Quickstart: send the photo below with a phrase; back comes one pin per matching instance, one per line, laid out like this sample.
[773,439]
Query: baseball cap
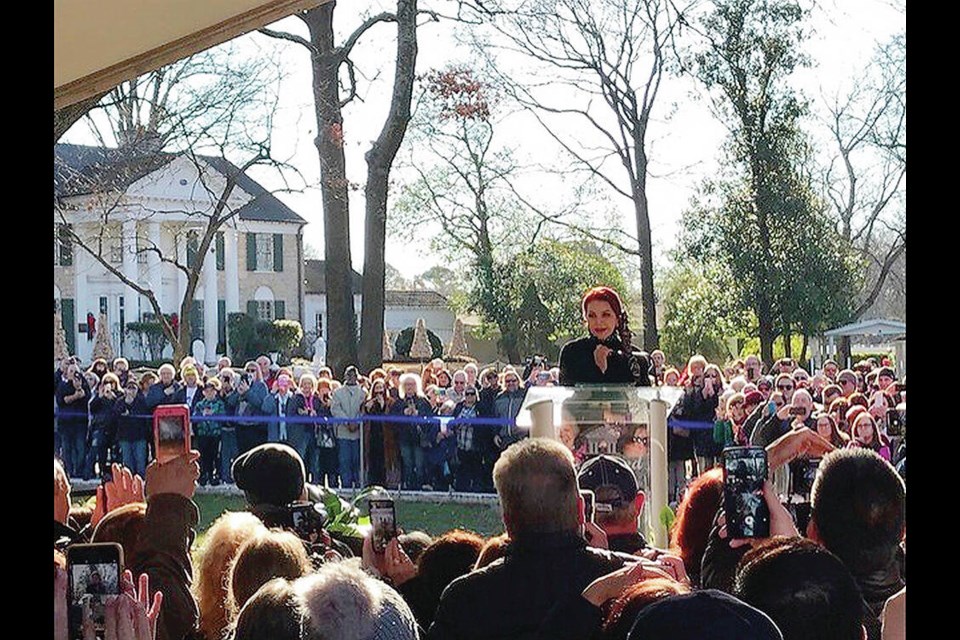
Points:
[609,477]
[703,614]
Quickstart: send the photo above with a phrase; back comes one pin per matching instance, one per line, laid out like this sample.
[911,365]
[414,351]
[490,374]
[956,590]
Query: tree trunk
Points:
[67,116]
[803,350]
[787,347]
[341,323]
[767,336]
[844,354]
[651,338]
[379,161]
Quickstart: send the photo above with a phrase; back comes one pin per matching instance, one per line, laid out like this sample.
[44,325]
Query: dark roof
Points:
[81,170]
[317,283]
[316,276]
[415,299]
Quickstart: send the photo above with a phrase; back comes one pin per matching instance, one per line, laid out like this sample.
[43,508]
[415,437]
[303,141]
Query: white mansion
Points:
[123,208]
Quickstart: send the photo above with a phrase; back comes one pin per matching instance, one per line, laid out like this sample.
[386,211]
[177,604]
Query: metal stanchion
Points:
[657,499]
[363,466]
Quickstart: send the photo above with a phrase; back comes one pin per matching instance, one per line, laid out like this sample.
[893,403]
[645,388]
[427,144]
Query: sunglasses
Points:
[470,393]
[784,387]
[644,440]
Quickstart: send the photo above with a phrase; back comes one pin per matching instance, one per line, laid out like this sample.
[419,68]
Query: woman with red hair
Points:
[691,529]
[606,355]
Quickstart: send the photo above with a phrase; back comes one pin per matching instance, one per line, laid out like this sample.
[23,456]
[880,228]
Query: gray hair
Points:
[407,377]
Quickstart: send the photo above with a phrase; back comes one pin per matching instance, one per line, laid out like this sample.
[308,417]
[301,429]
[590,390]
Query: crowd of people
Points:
[103,416]
[832,566]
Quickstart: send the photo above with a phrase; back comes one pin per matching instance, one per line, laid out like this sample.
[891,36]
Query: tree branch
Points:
[345,49]
[290,37]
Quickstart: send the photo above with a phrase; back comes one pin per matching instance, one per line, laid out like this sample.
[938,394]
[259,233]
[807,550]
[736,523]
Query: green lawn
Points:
[411,516]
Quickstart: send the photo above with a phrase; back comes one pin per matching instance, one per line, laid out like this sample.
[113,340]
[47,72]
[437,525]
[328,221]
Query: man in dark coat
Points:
[547,560]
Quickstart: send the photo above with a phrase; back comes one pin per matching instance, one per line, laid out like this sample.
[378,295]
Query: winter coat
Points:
[73,413]
[512,597]
[129,428]
[156,396]
[209,428]
[507,406]
[346,403]
[413,434]
[577,365]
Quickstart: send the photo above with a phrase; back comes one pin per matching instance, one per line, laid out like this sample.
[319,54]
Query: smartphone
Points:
[383,518]
[744,471]
[306,519]
[894,423]
[771,408]
[171,431]
[803,481]
[589,505]
[796,411]
[93,573]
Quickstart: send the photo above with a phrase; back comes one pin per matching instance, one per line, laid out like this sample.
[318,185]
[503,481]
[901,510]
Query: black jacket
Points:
[131,429]
[577,365]
[73,413]
[511,598]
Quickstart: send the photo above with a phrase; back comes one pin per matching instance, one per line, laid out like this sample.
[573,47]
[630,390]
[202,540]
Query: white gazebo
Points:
[880,332]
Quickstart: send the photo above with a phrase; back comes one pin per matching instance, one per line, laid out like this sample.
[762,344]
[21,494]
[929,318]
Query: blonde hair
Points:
[268,554]
[223,541]
[537,484]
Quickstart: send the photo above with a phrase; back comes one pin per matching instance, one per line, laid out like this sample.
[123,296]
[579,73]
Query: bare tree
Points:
[208,108]
[865,180]
[334,72]
[612,54]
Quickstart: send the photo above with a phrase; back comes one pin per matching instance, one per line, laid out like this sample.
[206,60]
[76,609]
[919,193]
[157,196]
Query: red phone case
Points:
[179,411]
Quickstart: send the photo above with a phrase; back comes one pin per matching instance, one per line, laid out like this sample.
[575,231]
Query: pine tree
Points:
[103,347]
[458,345]
[420,349]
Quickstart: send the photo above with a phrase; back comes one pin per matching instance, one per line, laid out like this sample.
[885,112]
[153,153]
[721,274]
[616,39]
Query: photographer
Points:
[412,437]
[73,396]
[253,393]
[228,430]
[133,432]
[166,391]
[273,478]
[102,425]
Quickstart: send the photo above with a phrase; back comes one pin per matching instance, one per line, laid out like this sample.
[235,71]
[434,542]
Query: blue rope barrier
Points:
[298,419]
[677,423]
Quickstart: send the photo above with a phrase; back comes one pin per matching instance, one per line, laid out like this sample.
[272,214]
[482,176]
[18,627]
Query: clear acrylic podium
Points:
[622,420]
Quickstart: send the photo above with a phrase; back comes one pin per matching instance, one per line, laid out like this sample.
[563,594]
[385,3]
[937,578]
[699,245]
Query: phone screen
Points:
[744,471]
[894,423]
[93,571]
[803,481]
[383,519]
[172,436]
[306,521]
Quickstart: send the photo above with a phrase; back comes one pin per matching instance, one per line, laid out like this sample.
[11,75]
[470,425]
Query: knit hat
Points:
[270,473]
[753,397]
[703,614]
[611,480]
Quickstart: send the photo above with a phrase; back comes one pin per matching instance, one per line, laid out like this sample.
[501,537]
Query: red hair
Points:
[695,519]
[605,294]
[624,610]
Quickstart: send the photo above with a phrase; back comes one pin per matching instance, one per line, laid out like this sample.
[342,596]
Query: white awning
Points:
[99,44]
[876,327]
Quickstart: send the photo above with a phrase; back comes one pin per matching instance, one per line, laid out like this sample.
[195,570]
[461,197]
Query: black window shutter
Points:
[193,247]
[278,252]
[279,310]
[66,247]
[196,321]
[251,252]
[252,309]
[69,320]
[220,249]
[222,324]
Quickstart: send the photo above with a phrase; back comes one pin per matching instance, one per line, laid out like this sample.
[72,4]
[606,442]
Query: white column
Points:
[230,271]
[80,303]
[659,471]
[131,299]
[154,266]
[210,304]
[181,276]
